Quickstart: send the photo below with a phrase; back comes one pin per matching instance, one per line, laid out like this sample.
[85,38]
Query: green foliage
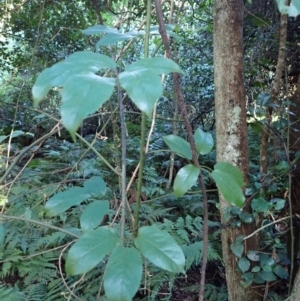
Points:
[229,180]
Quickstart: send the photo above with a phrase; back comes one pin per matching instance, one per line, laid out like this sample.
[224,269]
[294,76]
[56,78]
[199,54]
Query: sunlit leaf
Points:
[160,248]
[90,249]
[185,179]
[229,181]
[123,274]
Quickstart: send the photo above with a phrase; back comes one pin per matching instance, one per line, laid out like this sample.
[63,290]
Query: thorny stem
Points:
[188,127]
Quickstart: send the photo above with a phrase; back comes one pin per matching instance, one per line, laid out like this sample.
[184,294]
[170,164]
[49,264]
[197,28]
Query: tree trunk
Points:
[295,184]
[231,127]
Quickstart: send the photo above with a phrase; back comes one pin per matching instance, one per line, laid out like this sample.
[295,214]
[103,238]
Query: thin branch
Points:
[189,131]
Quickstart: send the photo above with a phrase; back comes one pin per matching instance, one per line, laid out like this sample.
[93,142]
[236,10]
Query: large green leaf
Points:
[179,146]
[144,88]
[62,201]
[229,181]
[185,179]
[90,249]
[158,65]
[123,274]
[82,95]
[160,248]
[142,82]
[115,37]
[77,63]
[97,29]
[93,215]
[204,142]
[95,185]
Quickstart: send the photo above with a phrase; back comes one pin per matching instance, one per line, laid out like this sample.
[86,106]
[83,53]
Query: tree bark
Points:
[231,127]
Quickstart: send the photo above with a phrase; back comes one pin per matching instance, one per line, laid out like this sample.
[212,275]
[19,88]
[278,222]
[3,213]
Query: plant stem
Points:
[188,127]
[123,163]
[143,133]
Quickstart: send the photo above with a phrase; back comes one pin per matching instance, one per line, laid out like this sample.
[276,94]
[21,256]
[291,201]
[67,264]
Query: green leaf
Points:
[185,179]
[77,63]
[93,215]
[97,29]
[248,279]
[263,99]
[266,275]
[253,255]
[142,82]
[267,263]
[158,65]
[282,166]
[115,37]
[281,272]
[62,201]
[143,87]
[278,203]
[246,218]
[237,247]
[244,264]
[2,235]
[179,146]
[82,95]
[90,249]
[256,269]
[293,10]
[160,248]
[204,142]
[229,181]
[123,274]
[95,185]
[169,29]
[260,205]
[2,138]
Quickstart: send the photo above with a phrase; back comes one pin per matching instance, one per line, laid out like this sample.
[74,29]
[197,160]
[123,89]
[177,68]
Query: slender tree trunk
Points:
[231,127]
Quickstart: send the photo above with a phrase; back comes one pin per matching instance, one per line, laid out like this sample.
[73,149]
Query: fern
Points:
[10,294]
[213,293]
